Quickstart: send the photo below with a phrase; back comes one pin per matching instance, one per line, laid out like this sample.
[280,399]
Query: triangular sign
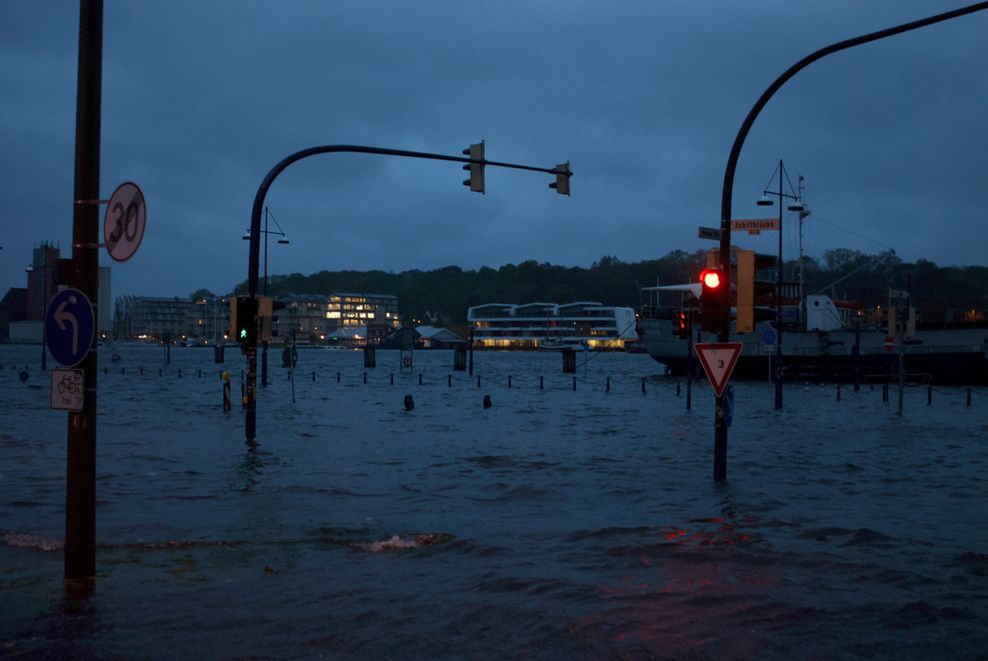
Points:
[718,360]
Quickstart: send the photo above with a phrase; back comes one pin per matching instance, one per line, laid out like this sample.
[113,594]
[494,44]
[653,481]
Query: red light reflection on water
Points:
[688,581]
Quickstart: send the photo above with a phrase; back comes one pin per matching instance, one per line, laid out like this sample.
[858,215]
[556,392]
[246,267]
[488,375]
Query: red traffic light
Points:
[710,278]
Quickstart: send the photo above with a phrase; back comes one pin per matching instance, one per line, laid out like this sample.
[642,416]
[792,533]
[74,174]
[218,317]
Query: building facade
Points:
[344,309]
[551,325]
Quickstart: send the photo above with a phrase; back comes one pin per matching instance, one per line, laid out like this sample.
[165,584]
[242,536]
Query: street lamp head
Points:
[246,237]
[796,205]
[284,241]
[765,201]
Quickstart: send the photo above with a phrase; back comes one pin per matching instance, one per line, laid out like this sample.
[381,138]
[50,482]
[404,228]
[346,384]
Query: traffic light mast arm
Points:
[732,160]
[262,191]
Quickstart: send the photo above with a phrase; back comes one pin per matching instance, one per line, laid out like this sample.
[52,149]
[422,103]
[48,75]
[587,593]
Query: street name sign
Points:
[718,360]
[69,327]
[754,225]
[66,390]
[123,225]
[709,233]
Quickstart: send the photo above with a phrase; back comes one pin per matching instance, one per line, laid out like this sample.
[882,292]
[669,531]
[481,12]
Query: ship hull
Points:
[939,357]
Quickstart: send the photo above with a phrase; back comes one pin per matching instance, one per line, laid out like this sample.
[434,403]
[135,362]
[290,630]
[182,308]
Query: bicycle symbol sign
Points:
[66,390]
[123,225]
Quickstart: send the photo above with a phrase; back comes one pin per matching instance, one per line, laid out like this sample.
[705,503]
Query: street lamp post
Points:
[284,241]
[44,308]
[795,205]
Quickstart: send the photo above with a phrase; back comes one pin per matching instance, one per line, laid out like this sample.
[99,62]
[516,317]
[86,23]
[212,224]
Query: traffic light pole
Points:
[720,425]
[561,185]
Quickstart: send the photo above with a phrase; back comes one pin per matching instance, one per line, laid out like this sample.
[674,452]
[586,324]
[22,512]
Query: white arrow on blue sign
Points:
[69,327]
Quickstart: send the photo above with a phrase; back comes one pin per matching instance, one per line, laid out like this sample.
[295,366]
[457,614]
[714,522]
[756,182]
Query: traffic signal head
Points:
[561,184]
[476,170]
[711,280]
[752,304]
[245,328]
[712,300]
[681,324]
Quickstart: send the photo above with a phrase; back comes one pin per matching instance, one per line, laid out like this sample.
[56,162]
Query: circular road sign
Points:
[123,225]
[69,327]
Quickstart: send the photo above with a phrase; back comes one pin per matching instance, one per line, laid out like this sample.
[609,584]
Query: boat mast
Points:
[802,214]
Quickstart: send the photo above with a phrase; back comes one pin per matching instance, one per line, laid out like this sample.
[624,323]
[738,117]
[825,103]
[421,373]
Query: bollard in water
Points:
[509,380]
[643,385]
[337,377]
[541,383]
[409,403]
[123,370]
[838,392]
[180,372]
[569,361]
[420,378]
[929,395]
[392,378]
[449,380]
[159,371]
[140,370]
[226,391]
[885,392]
[678,387]
[104,371]
[487,401]
[365,378]
[574,383]
[969,397]
[313,376]
[478,380]
[198,374]
[608,386]
[460,357]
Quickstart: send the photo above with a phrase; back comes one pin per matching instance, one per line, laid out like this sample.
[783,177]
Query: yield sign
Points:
[718,360]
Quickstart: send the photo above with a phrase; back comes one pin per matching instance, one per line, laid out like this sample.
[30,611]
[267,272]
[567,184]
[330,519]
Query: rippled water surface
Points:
[557,523]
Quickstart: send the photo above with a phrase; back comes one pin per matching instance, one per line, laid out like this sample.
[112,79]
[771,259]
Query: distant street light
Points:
[795,205]
[284,241]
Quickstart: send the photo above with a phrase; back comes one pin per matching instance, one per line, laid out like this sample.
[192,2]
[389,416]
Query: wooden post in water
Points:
[569,361]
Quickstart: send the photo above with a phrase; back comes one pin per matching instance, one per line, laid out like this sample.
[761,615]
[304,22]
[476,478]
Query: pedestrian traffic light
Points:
[712,294]
[476,170]
[754,294]
[244,319]
[561,184]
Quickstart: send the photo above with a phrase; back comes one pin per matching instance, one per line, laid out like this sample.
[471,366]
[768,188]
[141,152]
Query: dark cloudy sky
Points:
[201,98]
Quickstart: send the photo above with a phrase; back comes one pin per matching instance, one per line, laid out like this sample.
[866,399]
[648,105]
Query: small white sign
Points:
[66,390]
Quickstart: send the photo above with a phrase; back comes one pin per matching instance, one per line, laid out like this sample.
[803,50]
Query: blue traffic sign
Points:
[69,327]
[768,337]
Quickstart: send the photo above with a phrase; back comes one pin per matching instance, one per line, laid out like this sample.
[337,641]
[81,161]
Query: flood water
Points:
[556,524]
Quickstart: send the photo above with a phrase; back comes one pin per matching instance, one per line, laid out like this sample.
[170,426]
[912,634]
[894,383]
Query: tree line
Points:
[941,294]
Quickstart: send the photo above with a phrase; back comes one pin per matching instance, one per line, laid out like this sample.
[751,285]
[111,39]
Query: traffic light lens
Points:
[711,279]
